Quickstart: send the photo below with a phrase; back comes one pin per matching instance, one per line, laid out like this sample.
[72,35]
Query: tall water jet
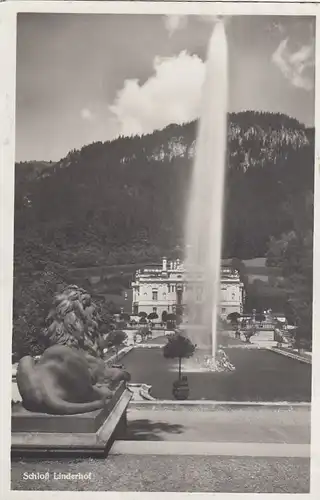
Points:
[204,227]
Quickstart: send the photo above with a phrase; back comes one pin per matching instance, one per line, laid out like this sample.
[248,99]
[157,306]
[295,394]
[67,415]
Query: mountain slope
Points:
[125,200]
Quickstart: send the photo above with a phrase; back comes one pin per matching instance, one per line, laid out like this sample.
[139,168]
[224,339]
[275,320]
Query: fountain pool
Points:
[260,375]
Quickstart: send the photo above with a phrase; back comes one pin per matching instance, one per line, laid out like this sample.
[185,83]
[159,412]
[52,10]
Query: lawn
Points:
[260,375]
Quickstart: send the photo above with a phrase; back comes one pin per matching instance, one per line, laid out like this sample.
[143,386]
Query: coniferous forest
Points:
[124,201]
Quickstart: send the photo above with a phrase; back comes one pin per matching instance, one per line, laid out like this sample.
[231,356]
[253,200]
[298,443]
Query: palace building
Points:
[159,289]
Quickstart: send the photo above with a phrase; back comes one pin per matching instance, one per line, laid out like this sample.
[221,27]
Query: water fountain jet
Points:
[204,227]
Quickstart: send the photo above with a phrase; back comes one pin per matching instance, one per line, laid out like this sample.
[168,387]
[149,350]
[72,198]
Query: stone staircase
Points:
[264,338]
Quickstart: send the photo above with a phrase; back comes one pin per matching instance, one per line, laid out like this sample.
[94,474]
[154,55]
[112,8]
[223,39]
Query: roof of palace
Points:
[177,271]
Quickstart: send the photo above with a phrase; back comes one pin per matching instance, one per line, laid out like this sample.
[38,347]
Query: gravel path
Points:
[171,474]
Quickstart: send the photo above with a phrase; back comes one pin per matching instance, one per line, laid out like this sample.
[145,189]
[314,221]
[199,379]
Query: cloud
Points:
[174,23]
[86,114]
[295,66]
[171,95]
[276,27]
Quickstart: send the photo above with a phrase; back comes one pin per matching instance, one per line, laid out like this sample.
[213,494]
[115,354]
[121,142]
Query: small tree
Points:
[178,346]
[144,332]
[153,315]
[164,316]
[143,321]
[260,318]
[233,317]
[142,314]
[125,317]
[116,338]
[250,332]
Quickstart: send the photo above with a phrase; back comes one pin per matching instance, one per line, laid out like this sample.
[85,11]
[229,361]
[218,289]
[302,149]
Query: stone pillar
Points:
[164,264]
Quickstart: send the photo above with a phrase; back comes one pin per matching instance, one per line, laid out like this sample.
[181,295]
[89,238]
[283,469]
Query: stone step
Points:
[261,335]
[257,339]
[206,448]
[264,344]
[264,335]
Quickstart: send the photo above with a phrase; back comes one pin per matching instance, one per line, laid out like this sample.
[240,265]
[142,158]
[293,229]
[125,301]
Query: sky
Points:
[82,78]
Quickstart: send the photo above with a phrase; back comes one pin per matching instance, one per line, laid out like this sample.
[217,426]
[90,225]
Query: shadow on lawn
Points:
[145,429]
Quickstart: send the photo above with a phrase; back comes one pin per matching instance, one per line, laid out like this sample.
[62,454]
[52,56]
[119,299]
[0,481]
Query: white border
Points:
[8,12]
[187,7]
[182,1]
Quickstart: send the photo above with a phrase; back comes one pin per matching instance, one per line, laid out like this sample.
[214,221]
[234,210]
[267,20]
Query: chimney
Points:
[164,264]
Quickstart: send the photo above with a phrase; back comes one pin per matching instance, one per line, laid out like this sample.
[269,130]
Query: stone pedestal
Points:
[86,432]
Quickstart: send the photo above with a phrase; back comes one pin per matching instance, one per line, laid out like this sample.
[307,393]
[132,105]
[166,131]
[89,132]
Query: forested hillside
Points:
[124,200]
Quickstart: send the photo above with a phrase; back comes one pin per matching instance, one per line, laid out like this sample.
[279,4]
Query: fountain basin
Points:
[260,375]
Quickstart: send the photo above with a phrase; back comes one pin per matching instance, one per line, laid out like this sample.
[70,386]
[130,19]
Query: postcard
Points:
[159,260]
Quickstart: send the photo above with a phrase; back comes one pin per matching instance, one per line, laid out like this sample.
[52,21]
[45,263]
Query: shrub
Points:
[233,317]
[153,315]
[164,316]
[178,346]
[115,339]
[31,305]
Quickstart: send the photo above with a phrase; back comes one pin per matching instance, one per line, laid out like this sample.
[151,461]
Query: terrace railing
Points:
[265,326]
[156,326]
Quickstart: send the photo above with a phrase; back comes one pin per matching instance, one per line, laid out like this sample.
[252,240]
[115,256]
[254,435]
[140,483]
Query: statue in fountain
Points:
[70,377]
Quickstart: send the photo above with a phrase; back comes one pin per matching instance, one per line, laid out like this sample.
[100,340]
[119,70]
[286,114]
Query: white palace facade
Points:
[159,289]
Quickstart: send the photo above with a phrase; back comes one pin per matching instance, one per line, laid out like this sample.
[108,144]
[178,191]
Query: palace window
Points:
[154,295]
[154,309]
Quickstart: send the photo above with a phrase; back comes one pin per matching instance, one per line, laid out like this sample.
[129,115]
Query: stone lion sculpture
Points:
[70,377]
[74,321]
